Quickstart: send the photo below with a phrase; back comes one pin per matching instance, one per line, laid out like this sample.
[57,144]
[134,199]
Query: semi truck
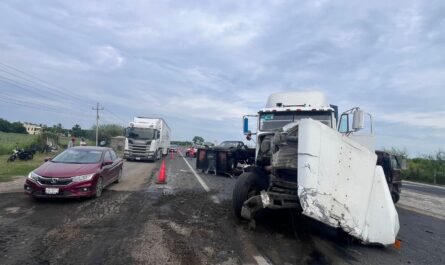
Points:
[309,160]
[146,139]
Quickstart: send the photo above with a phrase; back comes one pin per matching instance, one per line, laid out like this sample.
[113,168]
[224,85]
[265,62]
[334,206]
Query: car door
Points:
[116,164]
[108,170]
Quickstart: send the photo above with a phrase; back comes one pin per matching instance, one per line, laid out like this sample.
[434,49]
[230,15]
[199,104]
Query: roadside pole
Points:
[97,122]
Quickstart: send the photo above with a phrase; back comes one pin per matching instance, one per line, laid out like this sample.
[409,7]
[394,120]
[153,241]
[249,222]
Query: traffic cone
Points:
[162,176]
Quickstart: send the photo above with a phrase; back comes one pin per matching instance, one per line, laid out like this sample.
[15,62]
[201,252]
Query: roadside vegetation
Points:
[19,168]
[428,169]
[8,141]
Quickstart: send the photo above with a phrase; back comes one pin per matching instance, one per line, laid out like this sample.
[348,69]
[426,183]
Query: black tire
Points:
[11,158]
[30,156]
[99,188]
[395,196]
[247,185]
[119,178]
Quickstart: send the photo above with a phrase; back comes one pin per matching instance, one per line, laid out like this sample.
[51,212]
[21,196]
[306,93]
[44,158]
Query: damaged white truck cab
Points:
[303,162]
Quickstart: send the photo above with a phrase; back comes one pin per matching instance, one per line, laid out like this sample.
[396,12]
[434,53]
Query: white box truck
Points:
[146,139]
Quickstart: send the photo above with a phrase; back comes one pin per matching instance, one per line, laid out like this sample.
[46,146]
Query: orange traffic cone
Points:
[162,176]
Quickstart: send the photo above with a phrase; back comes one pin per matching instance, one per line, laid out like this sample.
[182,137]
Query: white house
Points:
[32,128]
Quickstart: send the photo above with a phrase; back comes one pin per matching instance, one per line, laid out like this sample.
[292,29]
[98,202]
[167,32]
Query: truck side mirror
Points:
[358,120]
[246,128]
[246,125]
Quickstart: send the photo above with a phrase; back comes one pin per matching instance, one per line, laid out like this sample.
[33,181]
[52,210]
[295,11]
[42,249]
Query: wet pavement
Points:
[188,221]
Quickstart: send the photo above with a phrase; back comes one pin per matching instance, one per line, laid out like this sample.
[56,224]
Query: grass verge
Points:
[19,168]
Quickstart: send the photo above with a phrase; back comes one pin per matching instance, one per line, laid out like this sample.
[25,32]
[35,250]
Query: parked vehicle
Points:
[174,148]
[82,171]
[307,162]
[146,139]
[225,158]
[392,166]
[191,151]
[21,154]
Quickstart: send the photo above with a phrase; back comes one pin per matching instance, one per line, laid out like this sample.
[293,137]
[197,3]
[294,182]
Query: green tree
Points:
[17,127]
[5,126]
[198,140]
[76,131]
[106,130]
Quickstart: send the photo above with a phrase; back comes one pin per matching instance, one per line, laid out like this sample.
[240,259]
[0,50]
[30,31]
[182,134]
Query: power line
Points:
[44,83]
[116,116]
[46,110]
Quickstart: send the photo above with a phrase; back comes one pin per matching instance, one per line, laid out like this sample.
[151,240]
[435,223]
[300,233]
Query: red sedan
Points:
[76,172]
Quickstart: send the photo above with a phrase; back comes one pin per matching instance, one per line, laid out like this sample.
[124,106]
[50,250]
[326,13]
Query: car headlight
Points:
[83,177]
[33,176]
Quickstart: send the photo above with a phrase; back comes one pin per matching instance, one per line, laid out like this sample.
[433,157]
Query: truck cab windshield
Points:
[141,133]
[276,120]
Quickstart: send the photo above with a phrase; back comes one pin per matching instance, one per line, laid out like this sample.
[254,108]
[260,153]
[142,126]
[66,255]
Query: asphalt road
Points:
[424,188]
[188,221]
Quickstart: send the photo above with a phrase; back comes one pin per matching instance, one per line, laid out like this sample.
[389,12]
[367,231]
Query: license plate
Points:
[51,190]
[138,158]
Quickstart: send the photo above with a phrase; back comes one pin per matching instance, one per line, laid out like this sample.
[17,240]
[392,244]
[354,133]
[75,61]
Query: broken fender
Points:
[340,185]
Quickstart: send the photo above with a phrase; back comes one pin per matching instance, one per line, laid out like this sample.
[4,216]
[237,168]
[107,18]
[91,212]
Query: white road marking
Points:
[261,260]
[200,180]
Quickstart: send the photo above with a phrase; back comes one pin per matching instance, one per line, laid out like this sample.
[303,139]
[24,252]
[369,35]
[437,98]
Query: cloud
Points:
[107,57]
[207,63]
[434,119]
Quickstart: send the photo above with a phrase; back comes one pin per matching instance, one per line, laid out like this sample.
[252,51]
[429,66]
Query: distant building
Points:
[32,128]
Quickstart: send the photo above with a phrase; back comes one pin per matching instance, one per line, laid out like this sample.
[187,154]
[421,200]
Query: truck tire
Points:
[247,185]
[395,196]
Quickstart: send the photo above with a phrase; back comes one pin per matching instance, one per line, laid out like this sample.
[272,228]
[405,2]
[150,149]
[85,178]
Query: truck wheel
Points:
[248,185]
[395,196]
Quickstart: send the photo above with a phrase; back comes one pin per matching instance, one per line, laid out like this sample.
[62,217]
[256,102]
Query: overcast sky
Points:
[203,64]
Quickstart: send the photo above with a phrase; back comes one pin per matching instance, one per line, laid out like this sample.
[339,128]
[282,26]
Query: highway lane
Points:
[424,188]
[421,237]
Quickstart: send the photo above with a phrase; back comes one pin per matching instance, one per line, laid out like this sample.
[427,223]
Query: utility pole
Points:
[97,122]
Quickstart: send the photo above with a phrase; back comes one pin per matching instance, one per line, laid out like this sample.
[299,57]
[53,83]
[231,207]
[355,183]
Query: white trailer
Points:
[146,139]
[304,162]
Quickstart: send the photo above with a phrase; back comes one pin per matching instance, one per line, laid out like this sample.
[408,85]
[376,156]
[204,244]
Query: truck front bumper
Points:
[139,156]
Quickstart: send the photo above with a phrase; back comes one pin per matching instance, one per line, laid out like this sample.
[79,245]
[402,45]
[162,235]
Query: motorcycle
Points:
[21,154]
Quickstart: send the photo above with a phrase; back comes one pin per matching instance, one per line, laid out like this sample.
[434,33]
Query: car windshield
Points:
[229,144]
[275,121]
[78,156]
[140,133]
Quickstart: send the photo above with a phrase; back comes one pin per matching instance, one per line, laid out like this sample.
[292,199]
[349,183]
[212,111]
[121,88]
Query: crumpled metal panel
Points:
[340,185]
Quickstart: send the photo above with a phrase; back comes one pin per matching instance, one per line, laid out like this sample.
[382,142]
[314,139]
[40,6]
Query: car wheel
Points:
[99,188]
[249,184]
[119,177]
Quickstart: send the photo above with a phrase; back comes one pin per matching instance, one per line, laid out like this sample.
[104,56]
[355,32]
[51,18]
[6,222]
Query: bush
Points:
[429,169]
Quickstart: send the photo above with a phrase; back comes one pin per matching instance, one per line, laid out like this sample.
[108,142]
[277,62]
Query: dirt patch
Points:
[15,185]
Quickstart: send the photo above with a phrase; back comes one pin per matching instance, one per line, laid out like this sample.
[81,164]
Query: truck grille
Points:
[139,150]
